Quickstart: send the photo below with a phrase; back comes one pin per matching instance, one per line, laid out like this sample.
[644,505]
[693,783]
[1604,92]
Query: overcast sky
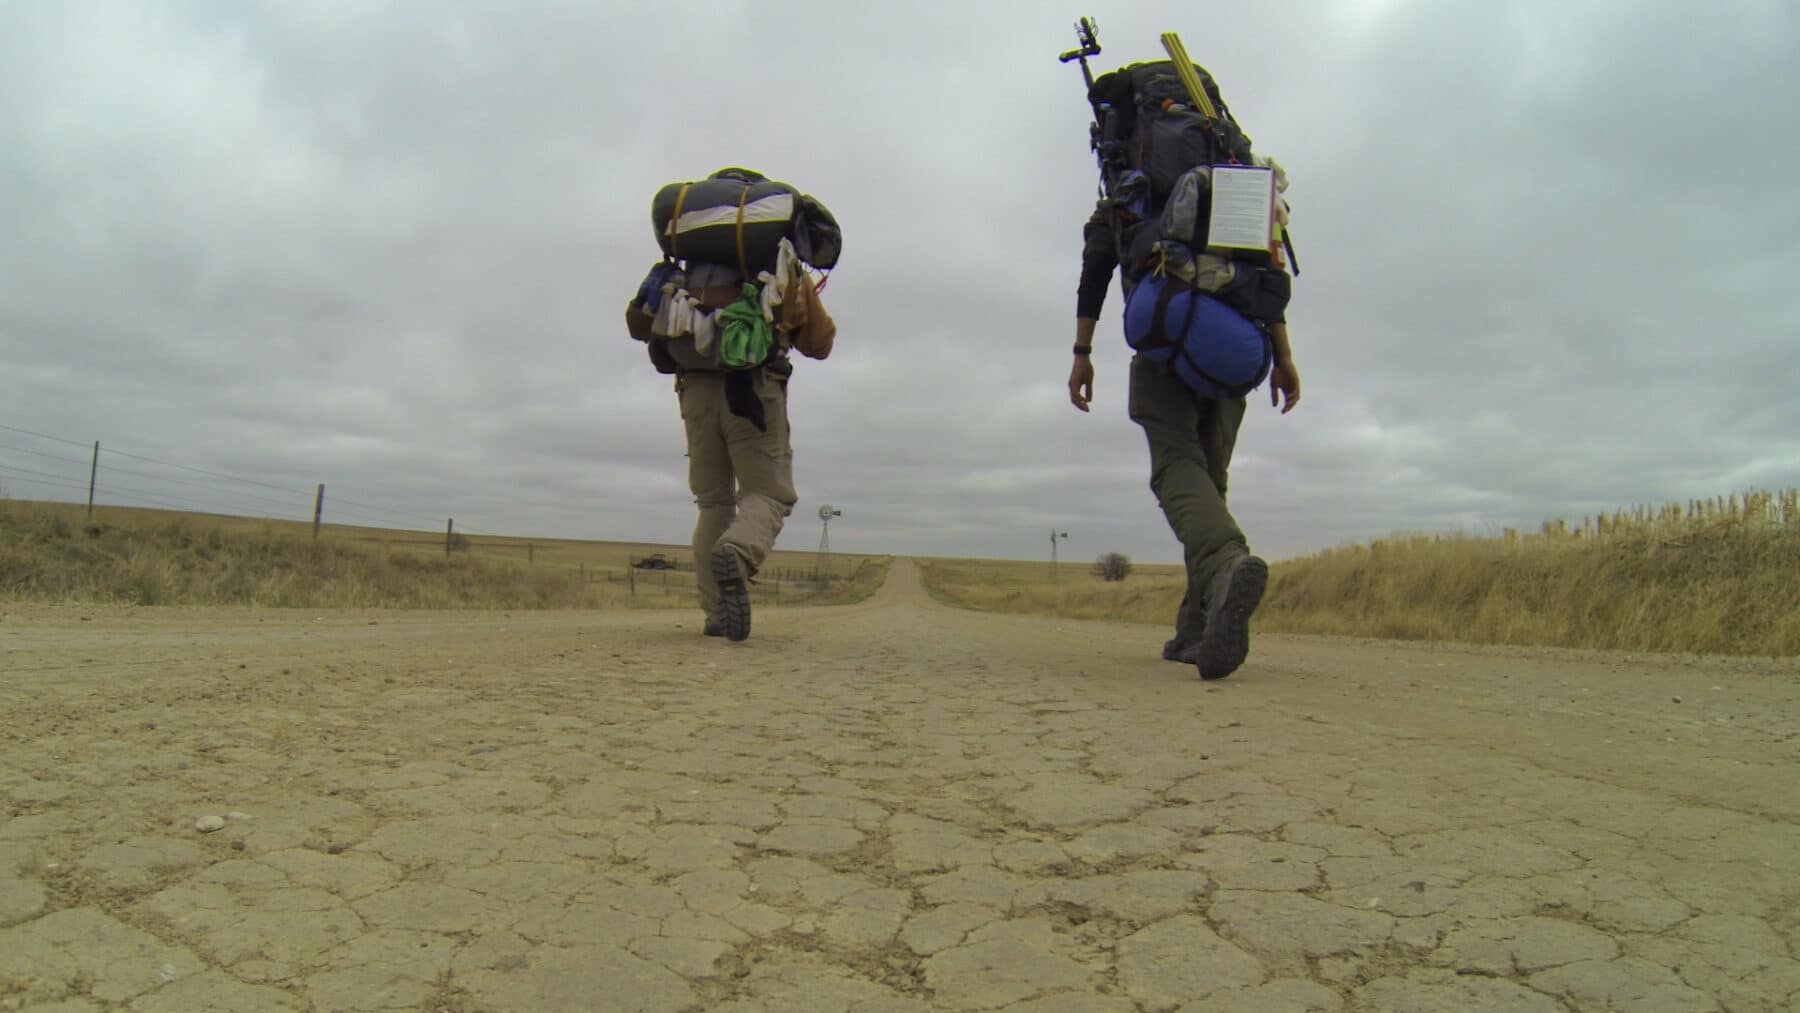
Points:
[1547,251]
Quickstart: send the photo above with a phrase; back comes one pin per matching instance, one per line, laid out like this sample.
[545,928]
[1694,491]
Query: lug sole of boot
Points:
[1227,640]
[733,612]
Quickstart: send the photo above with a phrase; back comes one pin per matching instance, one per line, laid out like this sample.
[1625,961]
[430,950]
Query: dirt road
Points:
[892,806]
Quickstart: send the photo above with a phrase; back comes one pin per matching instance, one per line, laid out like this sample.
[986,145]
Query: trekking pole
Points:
[1087,33]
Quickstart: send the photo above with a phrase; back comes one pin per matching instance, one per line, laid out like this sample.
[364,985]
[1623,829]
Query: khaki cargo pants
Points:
[742,477]
[1191,439]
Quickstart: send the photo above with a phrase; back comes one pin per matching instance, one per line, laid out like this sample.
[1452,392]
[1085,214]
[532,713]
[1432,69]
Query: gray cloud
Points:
[1545,254]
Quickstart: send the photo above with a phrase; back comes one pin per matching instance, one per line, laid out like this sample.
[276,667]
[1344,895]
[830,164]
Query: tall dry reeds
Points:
[1711,576]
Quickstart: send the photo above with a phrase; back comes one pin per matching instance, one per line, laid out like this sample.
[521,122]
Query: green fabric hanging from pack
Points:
[744,336]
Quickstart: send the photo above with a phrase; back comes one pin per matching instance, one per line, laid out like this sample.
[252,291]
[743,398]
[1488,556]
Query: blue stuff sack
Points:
[1215,350]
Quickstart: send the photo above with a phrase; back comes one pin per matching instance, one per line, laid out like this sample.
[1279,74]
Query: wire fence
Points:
[40,465]
[43,466]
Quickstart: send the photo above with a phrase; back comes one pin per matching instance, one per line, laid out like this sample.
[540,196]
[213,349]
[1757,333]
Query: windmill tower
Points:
[826,513]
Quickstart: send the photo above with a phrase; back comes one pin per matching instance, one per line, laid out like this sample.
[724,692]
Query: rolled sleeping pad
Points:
[734,221]
[1215,350]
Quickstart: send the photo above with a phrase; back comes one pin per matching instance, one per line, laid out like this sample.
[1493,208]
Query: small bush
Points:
[1113,566]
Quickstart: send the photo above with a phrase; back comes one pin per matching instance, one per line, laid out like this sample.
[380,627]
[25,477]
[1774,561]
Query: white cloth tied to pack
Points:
[681,314]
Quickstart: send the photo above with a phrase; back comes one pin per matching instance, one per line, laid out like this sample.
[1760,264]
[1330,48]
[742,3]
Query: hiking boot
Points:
[733,612]
[1182,649]
[1235,593]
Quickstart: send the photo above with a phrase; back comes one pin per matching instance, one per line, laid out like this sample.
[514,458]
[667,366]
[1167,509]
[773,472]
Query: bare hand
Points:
[1284,382]
[1081,382]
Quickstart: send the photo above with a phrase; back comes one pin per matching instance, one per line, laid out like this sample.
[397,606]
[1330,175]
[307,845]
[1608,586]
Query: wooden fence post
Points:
[93,476]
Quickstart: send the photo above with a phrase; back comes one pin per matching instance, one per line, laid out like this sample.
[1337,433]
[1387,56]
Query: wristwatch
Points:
[1083,349]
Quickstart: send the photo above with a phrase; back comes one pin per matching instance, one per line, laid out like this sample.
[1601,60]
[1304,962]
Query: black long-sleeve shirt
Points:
[1099,259]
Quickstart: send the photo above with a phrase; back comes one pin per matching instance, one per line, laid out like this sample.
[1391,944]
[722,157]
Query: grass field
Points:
[54,552]
[1712,577]
[1150,594]
[1715,576]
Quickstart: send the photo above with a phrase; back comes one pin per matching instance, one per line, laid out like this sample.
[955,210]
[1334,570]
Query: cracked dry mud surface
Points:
[887,807]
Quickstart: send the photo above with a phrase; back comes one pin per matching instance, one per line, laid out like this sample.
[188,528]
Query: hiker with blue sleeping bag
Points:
[1195,225]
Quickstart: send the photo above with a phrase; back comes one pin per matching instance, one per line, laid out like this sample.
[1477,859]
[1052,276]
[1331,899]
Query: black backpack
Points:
[1153,127]
[1151,138]
[1204,311]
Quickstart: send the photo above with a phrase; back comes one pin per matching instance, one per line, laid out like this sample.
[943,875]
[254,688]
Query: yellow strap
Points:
[675,222]
[743,261]
[1184,68]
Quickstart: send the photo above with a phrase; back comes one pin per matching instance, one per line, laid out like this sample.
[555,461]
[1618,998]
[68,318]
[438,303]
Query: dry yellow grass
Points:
[53,552]
[1150,594]
[1714,576]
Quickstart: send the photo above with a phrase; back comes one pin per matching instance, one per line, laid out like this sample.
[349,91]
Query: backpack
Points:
[717,236]
[1201,309]
[720,327]
[1157,131]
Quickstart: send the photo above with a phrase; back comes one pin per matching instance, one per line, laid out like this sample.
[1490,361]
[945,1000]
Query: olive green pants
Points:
[1191,439]
[742,477]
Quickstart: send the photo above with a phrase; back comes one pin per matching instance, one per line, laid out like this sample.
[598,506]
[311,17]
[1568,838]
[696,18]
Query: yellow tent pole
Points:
[1184,68]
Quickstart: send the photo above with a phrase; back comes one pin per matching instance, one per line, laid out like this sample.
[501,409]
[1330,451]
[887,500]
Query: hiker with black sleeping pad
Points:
[731,298]
[1195,225]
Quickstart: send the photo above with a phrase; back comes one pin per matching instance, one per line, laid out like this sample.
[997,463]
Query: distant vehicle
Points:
[654,561]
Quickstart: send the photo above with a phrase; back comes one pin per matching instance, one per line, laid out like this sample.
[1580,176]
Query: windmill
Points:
[1054,535]
[826,513]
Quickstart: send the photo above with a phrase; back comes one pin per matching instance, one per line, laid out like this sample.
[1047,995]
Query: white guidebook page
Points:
[1243,208]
